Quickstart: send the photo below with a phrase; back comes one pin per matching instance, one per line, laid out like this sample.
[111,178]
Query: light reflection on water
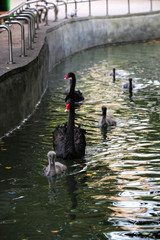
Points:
[114,192]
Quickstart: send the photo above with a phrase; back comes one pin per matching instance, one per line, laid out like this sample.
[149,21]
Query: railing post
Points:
[22,35]
[31,17]
[29,29]
[65,7]
[10,47]
[75,8]
[106,7]
[151,7]
[9,43]
[89,7]
[129,7]
[46,13]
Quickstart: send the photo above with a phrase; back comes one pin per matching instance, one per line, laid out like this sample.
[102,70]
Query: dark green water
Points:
[114,193]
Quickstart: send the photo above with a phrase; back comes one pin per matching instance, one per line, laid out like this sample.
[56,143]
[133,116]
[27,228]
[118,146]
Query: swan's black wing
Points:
[80,141]
[78,97]
[59,135]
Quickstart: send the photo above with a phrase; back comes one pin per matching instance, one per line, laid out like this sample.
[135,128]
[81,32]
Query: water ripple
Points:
[113,193]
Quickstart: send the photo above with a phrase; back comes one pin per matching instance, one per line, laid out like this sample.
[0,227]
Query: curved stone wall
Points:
[20,91]
[73,36]
[22,88]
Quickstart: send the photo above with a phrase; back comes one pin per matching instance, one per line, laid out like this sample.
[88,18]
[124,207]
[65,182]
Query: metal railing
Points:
[128,4]
[24,13]
[32,12]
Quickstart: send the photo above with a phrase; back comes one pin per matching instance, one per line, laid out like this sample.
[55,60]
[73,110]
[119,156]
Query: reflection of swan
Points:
[106,120]
[52,189]
[54,168]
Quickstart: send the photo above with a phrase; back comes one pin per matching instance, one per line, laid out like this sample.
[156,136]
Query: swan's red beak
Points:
[67,107]
[67,76]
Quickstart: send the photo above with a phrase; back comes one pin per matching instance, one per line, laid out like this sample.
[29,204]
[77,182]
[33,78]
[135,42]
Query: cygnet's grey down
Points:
[106,120]
[54,168]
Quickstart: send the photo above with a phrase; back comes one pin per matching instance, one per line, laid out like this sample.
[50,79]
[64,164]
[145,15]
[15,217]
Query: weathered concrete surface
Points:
[73,36]
[21,89]
[22,84]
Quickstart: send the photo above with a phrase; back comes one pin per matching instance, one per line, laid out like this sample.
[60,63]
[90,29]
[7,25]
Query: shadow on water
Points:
[113,193]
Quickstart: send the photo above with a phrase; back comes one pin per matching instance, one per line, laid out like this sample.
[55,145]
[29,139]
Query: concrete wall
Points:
[22,88]
[73,36]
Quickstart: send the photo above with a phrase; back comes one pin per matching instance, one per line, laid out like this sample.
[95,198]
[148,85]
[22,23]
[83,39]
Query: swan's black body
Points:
[69,141]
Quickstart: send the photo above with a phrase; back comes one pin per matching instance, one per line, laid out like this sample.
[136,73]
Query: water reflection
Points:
[114,192]
[52,189]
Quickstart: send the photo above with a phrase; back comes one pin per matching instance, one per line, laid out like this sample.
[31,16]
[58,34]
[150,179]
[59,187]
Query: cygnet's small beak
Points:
[67,107]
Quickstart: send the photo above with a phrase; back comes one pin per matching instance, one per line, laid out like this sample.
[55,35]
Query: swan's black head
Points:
[70,75]
[69,102]
[72,78]
[104,110]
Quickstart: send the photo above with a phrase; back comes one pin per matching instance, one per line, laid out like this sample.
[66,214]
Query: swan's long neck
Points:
[52,163]
[70,147]
[130,87]
[104,112]
[70,130]
[72,84]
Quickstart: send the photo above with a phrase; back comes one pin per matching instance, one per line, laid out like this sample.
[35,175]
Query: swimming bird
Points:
[129,85]
[78,97]
[106,121]
[54,168]
[68,140]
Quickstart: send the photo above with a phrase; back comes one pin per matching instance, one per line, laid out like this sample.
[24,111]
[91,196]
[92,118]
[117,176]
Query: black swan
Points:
[106,121]
[54,168]
[69,141]
[78,97]
[129,85]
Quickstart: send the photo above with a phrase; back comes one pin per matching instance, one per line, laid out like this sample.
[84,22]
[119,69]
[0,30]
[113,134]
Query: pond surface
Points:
[114,193]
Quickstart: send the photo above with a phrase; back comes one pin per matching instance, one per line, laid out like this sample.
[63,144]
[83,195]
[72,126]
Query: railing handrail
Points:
[63,2]
[20,6]
[43,6]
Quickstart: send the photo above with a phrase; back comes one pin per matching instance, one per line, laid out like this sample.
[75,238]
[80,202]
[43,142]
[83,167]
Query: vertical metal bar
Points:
[29,29]
[22,42]
[9,43]
[89,7]
[65,7]
[22,35]
[75,8]
[129,7]
[106,7]
[32,18]
[10,46]
[55,12]
[151,6]
[37,16]
[66,10]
